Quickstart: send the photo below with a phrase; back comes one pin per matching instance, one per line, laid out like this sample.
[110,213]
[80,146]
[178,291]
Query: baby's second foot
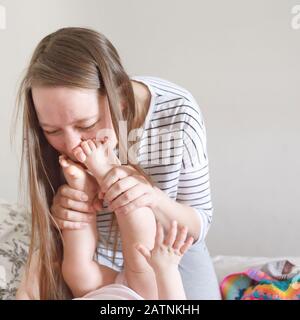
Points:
[77,178]
[98,157]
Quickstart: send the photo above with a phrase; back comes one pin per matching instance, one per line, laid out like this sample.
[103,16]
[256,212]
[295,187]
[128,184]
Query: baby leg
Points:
[136,227]
[80,271]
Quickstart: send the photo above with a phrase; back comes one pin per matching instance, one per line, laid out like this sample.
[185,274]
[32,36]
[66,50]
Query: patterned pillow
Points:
[14,244]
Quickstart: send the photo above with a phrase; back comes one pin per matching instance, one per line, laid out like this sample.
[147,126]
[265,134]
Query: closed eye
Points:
[89,127]
[51,132]
[80,128]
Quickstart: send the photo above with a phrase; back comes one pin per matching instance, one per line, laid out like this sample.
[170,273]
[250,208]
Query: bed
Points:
[14,241]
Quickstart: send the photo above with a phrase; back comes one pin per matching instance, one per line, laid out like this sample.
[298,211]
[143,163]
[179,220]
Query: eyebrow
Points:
[76,121]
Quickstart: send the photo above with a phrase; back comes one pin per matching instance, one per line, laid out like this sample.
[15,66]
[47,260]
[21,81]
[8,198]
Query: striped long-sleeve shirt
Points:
[172,151]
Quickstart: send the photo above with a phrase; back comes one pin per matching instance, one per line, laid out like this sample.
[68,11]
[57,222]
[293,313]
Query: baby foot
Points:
[78,178]
[98,157]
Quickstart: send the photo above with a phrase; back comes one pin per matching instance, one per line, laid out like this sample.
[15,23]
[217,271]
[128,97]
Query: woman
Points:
[154,125]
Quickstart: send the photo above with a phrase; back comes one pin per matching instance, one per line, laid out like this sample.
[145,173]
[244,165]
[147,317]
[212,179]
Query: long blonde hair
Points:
[77,58]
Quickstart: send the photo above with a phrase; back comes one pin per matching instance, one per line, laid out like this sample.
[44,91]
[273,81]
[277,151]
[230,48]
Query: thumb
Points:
[143,250]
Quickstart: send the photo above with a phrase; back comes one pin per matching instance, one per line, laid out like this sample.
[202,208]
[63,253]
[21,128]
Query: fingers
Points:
[71,215]
[69,210]
[70,193]
[68,203]
[176,238]
[119,187]
[128,196]
[180,238]
[115,174]
[186,245]
[171,236]
[63,224]
[143,201]
[159,236]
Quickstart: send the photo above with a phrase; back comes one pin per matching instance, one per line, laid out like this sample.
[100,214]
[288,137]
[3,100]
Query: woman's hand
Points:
[72,209]
[125,189]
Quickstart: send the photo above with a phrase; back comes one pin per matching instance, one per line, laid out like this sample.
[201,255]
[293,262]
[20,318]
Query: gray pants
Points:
[198,274]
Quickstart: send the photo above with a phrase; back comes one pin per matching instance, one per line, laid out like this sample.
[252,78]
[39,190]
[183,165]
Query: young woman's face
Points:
[68,116]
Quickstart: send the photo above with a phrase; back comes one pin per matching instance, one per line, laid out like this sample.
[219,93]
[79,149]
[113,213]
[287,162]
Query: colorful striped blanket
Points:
[278,280]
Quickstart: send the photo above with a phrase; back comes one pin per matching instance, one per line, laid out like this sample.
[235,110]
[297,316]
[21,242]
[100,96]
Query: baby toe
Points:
[86,148]
[92,145]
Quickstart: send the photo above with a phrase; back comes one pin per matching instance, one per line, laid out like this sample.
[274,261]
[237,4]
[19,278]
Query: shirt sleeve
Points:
[194,186]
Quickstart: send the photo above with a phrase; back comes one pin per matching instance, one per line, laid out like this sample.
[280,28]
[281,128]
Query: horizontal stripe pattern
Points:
[172,151]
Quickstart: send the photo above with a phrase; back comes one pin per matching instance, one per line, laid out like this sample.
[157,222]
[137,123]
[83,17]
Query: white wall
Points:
[239,58]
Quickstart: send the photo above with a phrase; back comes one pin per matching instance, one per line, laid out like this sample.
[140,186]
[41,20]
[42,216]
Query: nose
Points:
[72,140]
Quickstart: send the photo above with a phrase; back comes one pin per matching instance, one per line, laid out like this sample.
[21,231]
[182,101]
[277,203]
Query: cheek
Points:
[57,143]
